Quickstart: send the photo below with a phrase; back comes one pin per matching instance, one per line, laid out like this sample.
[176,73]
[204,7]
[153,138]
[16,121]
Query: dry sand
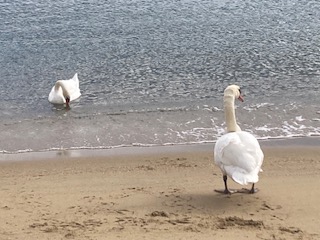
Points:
[162,194]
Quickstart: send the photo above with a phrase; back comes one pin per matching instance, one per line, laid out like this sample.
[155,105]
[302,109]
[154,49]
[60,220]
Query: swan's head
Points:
[235,91]
[67,100]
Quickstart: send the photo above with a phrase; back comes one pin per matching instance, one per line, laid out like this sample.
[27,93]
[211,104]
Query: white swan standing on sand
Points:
[237,153]
[65,91]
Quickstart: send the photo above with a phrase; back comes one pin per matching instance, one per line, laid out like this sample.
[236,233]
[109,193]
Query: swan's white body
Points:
[65,89]
[239,156]
[237,153]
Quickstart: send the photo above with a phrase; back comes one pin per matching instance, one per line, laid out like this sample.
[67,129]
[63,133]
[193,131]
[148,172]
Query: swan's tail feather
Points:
[76,79]
[245,179]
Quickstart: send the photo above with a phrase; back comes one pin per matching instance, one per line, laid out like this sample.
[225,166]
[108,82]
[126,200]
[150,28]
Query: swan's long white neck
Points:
[230,115]
[64,90]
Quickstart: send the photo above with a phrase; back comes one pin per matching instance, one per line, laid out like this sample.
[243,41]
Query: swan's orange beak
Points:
[241,98]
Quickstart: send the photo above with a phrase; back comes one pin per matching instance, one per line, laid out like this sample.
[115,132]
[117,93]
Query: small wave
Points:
[300,118]
[65,151]
[257,106]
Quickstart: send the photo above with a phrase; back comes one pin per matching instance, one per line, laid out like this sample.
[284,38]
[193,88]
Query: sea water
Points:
[153,72]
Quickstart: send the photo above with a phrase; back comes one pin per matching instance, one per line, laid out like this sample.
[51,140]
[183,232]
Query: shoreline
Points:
[310,141]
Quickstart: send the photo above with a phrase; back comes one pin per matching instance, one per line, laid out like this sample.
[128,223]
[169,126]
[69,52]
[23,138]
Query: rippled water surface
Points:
[153,72]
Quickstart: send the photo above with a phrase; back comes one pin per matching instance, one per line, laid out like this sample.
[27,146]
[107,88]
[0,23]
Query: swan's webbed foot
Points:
[249,191]
[226,191]
[231,191]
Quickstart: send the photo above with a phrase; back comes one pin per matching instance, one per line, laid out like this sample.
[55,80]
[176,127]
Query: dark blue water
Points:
[153,72]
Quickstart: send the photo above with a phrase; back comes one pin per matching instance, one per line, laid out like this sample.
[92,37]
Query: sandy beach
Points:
[167,193]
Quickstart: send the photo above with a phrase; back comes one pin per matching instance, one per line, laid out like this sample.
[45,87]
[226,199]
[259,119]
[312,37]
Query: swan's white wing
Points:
[238,154]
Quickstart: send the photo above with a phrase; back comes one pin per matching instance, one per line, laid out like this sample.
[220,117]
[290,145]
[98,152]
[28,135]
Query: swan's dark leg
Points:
[226,190]
[252,189]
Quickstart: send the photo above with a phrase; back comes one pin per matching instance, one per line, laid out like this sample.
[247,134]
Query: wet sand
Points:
[167,193]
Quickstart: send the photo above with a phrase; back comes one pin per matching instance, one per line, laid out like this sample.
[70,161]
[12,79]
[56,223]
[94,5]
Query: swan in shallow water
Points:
[65,91]
[237,153]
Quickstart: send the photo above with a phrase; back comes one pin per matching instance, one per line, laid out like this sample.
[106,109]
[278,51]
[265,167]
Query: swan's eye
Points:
[239,91]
